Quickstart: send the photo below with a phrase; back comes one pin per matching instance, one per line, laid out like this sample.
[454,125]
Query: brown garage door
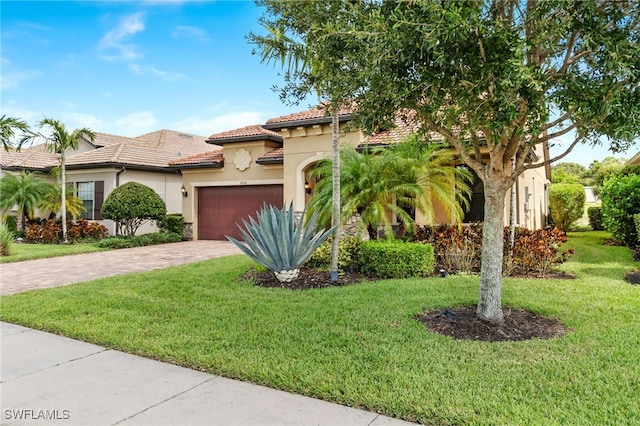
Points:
[221,207]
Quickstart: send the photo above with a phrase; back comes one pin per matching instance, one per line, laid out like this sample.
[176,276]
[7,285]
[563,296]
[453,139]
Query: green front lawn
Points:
[358,345]
[23,251]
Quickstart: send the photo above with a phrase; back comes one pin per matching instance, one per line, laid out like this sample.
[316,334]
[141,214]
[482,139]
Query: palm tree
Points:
[25,191]
[8,128]
[409,175]
[293,56]
[60,141]
[52,201]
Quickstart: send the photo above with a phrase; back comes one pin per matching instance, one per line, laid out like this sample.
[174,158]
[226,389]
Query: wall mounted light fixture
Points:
[307,187]
[184,191]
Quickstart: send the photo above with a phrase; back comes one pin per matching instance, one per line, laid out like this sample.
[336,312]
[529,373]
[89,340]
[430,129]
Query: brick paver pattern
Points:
[18,277]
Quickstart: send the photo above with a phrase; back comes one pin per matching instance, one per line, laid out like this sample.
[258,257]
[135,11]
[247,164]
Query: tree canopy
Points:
[493,78]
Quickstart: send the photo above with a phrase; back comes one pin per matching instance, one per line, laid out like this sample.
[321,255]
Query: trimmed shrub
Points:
[172,223]
[348,254]
[620,202]
[566,204]
[139,240]
[131,205]
[595,218]
[390,259]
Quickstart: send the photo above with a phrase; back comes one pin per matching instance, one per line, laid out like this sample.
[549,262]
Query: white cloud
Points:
[165,75]
[188,32]
[12,77]
[116,38]
[136,123]
[206,126]
[11,109]
[76,120]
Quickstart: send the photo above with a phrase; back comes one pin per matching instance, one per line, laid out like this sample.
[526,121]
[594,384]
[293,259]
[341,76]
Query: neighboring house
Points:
[97,167]
[634,161]
[271,164]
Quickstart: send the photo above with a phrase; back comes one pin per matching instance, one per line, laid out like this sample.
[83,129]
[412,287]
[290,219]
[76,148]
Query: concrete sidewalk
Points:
[49,379]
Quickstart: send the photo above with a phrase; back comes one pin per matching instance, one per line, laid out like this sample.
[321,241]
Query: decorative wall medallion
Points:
[242,159]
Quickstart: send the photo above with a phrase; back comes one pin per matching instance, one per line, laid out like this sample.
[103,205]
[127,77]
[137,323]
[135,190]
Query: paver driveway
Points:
[56,271]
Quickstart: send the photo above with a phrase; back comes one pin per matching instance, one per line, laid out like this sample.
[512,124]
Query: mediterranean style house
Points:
[272,163]
[97,168]
[217,181]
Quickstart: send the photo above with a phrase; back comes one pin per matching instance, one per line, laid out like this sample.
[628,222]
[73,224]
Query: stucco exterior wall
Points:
[240,168]
[165,184]
[303,147]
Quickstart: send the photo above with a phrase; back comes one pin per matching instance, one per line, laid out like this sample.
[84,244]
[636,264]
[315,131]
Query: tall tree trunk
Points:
[64,196]
[335,212]
[490,296]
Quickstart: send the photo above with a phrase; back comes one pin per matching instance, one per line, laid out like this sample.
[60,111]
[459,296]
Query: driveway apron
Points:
[58,271]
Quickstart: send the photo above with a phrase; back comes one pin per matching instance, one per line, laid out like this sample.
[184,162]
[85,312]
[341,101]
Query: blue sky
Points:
[132,67]
[128,68]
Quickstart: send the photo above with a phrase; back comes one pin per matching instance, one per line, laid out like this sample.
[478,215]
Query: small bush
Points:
[50,231]
[84,230]
[385,259]
[534,251]
[348,254]
[171,223]
[566,204]
[456,248]
[636,220]
[595,218]
[620,202]
[459,249]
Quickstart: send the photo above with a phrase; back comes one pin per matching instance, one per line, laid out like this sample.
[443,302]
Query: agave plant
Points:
[277,241]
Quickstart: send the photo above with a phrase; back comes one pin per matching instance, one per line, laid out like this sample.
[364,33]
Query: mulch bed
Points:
[519,324]
[308,278]
[458,323]
[633,277]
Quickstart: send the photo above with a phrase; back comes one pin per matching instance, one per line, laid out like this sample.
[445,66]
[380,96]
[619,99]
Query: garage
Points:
[220,208]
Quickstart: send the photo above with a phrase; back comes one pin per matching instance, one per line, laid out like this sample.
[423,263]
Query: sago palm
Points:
[59,141]
[25,191]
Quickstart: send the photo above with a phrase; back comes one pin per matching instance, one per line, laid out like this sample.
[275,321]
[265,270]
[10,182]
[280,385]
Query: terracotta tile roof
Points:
[172,141]
[244,132]
[403,128]
[312,114]
[271,157]
[156,149]
[31,158]
[105,139]
[213,156]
